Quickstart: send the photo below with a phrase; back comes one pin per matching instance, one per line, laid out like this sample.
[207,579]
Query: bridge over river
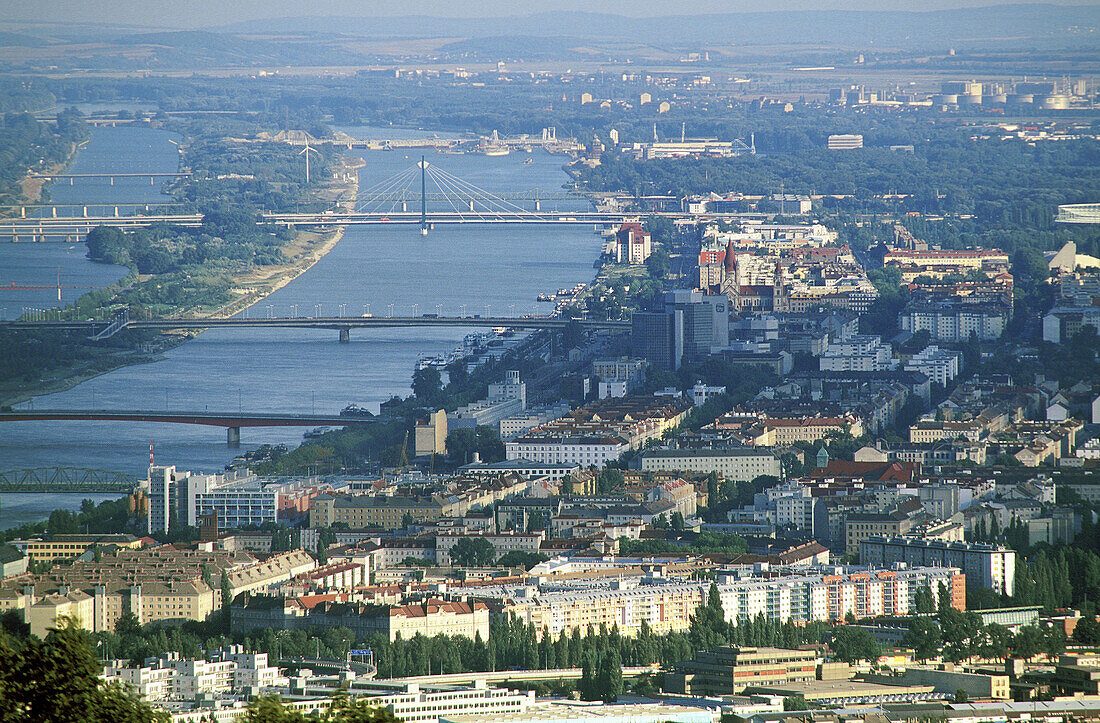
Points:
[343,324]
[232,421]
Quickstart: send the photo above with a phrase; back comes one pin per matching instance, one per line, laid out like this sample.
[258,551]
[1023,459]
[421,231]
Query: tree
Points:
[227,598]
[427,385]
[610,676]
[588,687]
[923,600]
[472,552]
[1027,642]
[795,702]
[708,626]
[489,444]
[960,696]
[127,625]
[519,558]
[994,641]
[462,443]
[1087,631]
[57,680]
[609,480]
[852,644]
[923,637]
[677,521]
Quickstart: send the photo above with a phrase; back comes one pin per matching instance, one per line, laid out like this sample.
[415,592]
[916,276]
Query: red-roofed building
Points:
[633,243]
[868,471]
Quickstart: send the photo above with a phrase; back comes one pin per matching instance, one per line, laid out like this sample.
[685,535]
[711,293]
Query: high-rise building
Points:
[658,337]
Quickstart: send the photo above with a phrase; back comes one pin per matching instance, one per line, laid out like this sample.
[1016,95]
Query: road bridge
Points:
[65,479]
[231,421]
[111,176]
[343,324]
[35,229]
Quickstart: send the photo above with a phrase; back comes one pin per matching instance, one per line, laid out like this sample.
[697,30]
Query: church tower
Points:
[731,283]
[781,302]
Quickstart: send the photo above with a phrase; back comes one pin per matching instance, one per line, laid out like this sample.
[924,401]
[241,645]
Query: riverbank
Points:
[81,360]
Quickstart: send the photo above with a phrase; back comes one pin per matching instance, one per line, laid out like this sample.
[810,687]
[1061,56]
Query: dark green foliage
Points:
[924,601]
[923,637]
[517,558]
[462,443]
[27,143]
[56,680]
[106,517]
[704,542]
[1087,631]
[472,552]
[851,644]
[427,386]
[270,709]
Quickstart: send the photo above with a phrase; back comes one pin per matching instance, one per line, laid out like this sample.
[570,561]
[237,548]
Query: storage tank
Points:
[945,99]
[970,100]
[1056,101]
[996,99]
[1021,98]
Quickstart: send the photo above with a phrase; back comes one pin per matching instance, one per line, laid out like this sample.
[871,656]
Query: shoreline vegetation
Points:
[234,285]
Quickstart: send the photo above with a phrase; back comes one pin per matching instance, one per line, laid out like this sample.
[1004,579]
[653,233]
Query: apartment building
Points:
[567,449]
[429,618]
[859,353]
[71,545]
[779,431]
[384,511]
[503,543]
[827,595]
[955,322]
[859,526]
[171,677]
[742,464]
[240,499]
[157,586]
[939,365]
[988,566]
[944,262]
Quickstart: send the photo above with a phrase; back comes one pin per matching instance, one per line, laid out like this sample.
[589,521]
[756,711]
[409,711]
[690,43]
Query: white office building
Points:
[939,365]
[989,566]
[240,499]
[859,353]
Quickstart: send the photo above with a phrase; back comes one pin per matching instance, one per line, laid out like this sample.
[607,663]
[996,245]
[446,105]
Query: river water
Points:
[473,269]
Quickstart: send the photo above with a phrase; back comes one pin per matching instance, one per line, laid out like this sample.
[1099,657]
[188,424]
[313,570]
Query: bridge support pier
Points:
[233,437]
[345,335]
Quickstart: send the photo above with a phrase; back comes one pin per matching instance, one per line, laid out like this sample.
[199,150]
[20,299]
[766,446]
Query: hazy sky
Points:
[199,13]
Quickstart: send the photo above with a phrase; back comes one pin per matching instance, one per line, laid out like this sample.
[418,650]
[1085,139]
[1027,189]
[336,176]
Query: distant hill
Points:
[1078,25]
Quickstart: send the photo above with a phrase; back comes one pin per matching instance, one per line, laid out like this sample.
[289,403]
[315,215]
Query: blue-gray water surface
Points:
[475,269]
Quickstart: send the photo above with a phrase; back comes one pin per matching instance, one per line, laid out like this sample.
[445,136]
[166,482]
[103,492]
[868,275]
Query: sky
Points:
[211,13]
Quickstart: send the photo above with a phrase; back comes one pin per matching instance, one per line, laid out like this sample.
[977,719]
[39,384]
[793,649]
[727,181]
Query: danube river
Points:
[476,269]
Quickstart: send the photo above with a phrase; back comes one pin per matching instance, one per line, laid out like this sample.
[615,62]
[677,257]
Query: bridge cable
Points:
[457,192]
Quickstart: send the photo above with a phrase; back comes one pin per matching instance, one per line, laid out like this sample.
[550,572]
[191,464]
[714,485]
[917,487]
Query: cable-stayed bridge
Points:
[422,194]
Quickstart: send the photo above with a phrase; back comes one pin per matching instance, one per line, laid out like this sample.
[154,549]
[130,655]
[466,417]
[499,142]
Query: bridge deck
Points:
[331,322]
[212,419]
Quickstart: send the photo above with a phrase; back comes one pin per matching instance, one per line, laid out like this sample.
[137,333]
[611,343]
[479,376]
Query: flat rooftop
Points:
[843,689]
[577,712]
